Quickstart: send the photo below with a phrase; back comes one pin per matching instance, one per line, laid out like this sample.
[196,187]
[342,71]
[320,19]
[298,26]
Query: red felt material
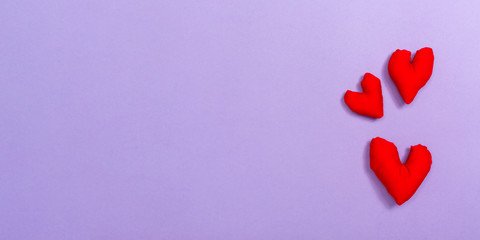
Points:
[370,101]
[400,180]
[409,76]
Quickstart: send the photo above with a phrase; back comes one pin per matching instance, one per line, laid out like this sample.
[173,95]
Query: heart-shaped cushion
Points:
[409,76]
[370,101]
[400,180]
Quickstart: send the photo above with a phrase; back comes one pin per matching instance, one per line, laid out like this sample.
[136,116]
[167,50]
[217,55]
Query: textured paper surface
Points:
[225,119]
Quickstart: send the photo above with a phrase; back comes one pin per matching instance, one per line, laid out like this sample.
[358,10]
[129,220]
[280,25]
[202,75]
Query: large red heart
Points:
[401,180]
[409,76]
[370,102]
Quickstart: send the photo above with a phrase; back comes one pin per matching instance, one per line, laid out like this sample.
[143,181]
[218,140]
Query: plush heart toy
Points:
[370,102]
[409,76]
[401,180]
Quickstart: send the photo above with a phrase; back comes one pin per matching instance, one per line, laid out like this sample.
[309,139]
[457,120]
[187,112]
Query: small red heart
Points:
[370,102]
[409,76]
[400,180]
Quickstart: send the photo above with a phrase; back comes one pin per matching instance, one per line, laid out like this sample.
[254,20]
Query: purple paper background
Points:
[225,119]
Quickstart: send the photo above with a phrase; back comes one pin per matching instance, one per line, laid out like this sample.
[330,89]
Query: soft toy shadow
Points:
[390,85]
[380,190]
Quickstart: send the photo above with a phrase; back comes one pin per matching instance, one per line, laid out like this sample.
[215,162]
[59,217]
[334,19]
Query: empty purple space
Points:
[225,119]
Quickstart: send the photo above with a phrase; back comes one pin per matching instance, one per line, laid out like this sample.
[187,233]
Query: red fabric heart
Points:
[409,76]
[370,102]
[400,180]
